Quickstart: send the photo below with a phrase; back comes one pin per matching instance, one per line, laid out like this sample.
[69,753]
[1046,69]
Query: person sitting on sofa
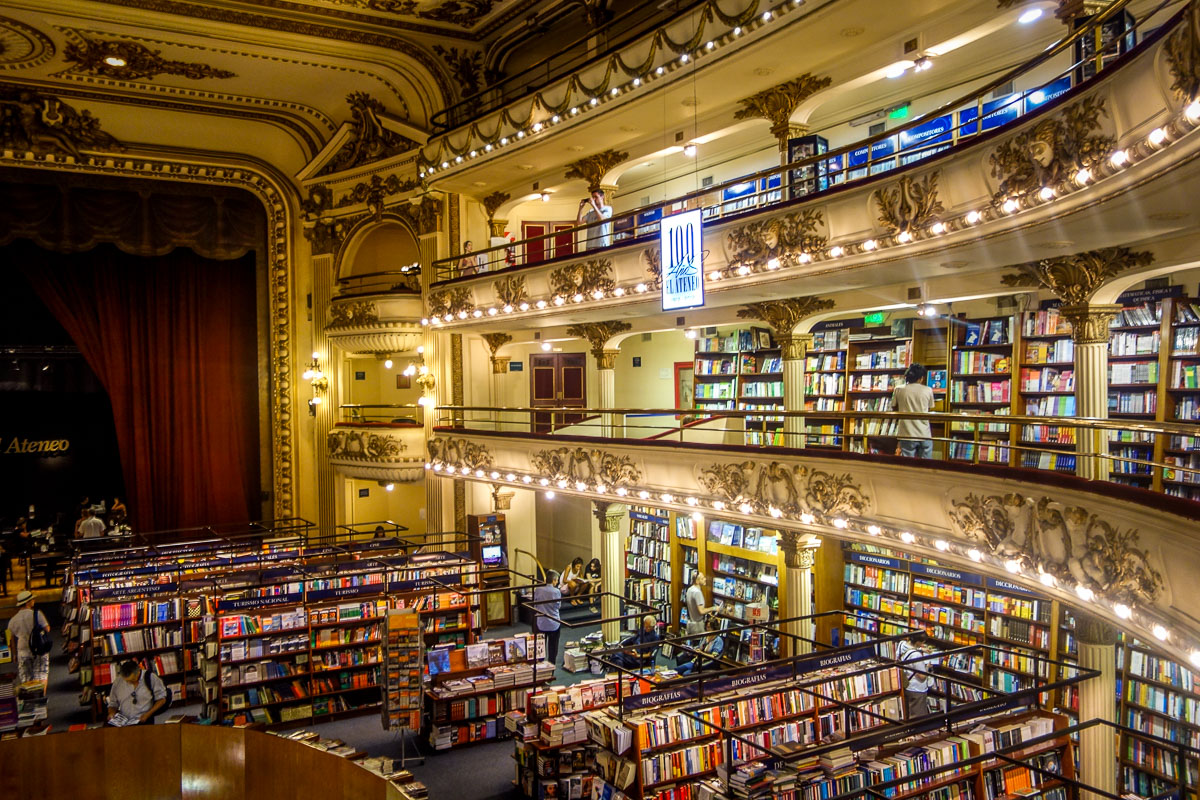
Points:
[710,650]
[573,583]
[641,648]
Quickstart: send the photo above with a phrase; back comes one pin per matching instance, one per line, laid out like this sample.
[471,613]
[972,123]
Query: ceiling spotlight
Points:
[387,487]
[690,333]
[1032,15]
[546,347]
[1123,611]
[387,364]
[923,63]
[697,516]
[689,150]
[545,197]
[550,495]
[895,71]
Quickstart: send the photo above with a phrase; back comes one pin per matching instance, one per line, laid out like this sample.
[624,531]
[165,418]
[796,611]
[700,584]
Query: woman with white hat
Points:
[30,666]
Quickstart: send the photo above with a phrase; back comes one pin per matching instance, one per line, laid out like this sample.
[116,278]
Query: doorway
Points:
[557,380]
[563,244]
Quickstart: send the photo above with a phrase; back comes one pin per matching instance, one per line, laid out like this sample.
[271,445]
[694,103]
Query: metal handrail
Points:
[444,268]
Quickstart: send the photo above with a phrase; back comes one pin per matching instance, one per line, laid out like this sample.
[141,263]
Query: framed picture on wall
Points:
[685,384]
[403,381]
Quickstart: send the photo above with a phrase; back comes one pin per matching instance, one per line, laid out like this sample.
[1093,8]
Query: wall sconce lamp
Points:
[318,381]
[419,371]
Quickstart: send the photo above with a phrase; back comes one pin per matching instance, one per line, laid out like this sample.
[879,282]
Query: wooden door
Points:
[557,380]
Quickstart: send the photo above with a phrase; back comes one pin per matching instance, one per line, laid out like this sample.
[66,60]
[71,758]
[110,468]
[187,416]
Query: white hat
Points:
[23,597]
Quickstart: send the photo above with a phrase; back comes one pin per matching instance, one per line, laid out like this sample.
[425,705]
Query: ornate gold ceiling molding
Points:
[291,24]
[593,168]
[778,103]
[23,46]
[370,139]
[775,489]
[495,341]
[581,464]
[597,335]
[583,278]
[464,13]
[374,192]
[44,125]
[1072,543]
[1183,56]
[273,191]
[784,238]
[465,66]
[364,445]
[510,291]
[1074,279]
[450,302]
[785,314]
[127,60]
[1052,151]
[909,203]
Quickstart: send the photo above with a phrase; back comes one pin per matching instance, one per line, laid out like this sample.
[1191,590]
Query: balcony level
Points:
[1120,552]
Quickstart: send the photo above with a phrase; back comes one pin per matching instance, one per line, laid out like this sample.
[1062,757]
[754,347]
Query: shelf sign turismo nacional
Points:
[682,271]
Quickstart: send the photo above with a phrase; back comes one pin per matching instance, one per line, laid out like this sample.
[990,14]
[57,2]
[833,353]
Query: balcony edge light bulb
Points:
[974,554]
[1160,632]
[807,518]
[745,508]
[1010,205]
[1012,565]
[907,537]
[874,530]
[1085,593]
[1157,136]
[1192,112]
[1119,158]
[1123,611]
[904,237]
[1083,176]
[1046,193]
[973,217]
[942,544]
[1194,657]
[719,505]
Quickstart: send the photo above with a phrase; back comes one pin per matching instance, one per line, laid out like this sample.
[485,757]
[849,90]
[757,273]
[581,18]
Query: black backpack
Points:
[146,673]
[39,639]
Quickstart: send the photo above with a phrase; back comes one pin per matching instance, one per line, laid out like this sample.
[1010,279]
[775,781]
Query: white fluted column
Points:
[612,570]
[799,552]
[606,365]
[1097,642]
[795,349]
[1090,334]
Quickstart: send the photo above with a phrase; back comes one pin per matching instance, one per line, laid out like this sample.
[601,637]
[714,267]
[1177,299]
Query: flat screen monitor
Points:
[493,555]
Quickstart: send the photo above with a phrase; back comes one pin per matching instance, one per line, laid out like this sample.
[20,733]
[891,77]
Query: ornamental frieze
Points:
[451,302]
[1071,543]
[364,445]
[43,124]
[1075,278]
[783,238]
[1183,55]
[782,490]
[909,204]
[121,59]
[510,291]
[1052,151]
[459,453]
[583,465]
[584,277]
[369,139]
[652,259]
[345,315]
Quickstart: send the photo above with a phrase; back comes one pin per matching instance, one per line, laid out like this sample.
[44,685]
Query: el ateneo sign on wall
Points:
[14,445]
[681,243]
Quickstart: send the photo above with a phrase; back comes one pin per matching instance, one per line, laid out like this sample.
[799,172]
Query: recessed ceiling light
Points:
[1032,15]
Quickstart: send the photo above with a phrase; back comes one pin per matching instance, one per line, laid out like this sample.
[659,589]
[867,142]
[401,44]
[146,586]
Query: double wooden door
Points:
[557,380]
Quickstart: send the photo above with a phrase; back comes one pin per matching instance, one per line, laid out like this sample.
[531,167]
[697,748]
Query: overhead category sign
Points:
[681,244]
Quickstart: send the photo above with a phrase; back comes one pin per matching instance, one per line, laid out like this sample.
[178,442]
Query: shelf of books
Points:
[825,386]
[1183,397]
[760,379]
[887,593]
[1047,388]
[648,561]
[1162,699]
[471,687]
[1134,370]
[553,751]
[877,359]
[743,568]
[402,699]
[981,360]
[689,552]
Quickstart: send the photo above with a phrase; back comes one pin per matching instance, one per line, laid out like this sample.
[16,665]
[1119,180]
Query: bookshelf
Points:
[1047,388]
[742,564]
[687,554]
[742,369]
[1183,399]
[1134,371]
[981,359]
[648,561]
[825,386]
[402,700]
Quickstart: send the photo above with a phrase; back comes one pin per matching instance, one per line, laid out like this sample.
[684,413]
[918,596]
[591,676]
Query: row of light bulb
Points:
[696,505]
[1117,160]
[635,83]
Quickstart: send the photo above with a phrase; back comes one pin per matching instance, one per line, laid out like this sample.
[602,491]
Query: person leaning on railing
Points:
[471,262]
[914,397]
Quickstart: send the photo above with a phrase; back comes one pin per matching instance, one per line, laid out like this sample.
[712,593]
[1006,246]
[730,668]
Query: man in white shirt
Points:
[547,598]
[914,397]
[29,666]
[593,209]
[694,597]
[91,527]
[136,697]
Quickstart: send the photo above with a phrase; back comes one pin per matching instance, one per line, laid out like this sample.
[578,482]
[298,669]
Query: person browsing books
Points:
[917,685]
[30,666]
[696,610]
[914,397]
[134,700]
[710,652]
[641,649]
[547,598]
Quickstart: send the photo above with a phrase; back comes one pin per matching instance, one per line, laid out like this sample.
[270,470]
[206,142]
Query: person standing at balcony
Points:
[547,599]
[471,263]
[594,209]
[914,397]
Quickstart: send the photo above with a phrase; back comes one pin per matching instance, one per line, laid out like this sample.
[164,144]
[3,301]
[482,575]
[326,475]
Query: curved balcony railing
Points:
[389,415]
[406,280]
[974,117]
[1154,456]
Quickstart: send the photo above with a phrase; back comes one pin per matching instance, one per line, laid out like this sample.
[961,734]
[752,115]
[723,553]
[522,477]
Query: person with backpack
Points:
[31,632]
[137,694]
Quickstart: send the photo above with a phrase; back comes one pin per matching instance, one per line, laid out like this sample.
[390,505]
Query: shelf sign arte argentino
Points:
[680,242]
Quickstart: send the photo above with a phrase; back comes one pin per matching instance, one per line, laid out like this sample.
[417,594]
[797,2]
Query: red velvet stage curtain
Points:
[173,340]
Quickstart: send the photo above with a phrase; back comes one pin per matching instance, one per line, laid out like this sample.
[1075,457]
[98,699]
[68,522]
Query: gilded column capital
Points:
[607,359]
[502,500]
[799,549]
[784,315]
[500,365]
[608,515]
[1074,279]
[795,347]
[1089,323]
[777,104]
[496,227]
[593,168]
[597,335]
[1092,630]
[495,341]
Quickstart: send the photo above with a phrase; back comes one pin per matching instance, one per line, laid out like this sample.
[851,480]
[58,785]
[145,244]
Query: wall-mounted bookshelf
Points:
[648,561]
[981,376]
[1183,398]
[1134,375]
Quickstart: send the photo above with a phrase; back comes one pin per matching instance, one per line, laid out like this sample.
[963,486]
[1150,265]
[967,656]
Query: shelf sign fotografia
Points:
[681,243]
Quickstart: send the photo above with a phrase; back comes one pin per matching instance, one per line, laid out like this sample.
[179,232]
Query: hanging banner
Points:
[681,243]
